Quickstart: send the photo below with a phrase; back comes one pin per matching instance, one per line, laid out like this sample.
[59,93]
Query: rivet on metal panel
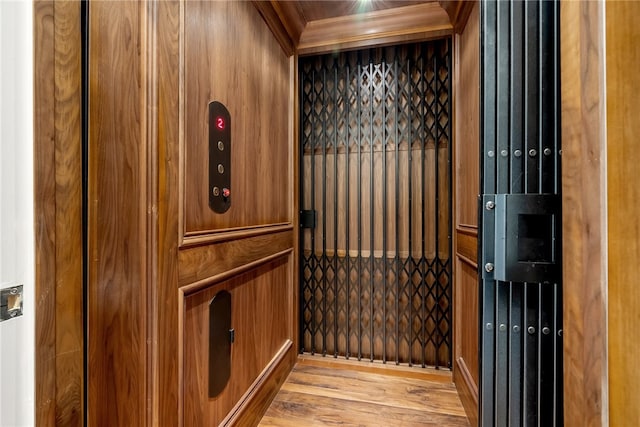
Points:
[490,153]
[546,330]
[533,152]
[547,151]
[504,153]
[489,326]
[516,329]
[490,205]
[488,267]
[531,330]
[517,153]
[503,327]
[559,332]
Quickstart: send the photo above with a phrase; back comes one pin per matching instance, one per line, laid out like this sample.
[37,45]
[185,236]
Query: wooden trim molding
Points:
[217,236]
[584,216]
[255,402]
[272,13]
[467,389]
[381,27]
[467,246]
[59,347]
[397,25]
[458,12]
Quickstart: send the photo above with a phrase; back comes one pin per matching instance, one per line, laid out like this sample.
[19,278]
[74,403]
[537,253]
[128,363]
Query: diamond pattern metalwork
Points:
[377,285]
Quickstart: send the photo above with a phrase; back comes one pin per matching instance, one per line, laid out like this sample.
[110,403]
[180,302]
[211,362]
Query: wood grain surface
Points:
[623,200]
[260,317]
[396,25]
[117,288]
[583,222]
[466,189]
[59,359]
[164,384]
[231,57]
[319,396]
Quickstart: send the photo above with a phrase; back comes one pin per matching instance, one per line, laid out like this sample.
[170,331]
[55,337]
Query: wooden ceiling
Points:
[315,10]
[311,26]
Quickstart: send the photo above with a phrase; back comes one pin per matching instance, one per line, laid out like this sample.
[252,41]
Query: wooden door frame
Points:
[59,350]
[584,224]
[59,330]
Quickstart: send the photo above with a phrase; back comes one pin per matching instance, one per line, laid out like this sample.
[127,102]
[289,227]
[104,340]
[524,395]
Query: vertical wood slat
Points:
[59,355]
[622,86]
[117,296]
[165,383]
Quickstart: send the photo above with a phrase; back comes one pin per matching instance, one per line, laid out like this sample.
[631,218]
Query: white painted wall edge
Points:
[17,248]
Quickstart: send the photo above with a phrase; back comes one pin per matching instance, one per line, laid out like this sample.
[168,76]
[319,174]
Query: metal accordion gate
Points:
[375,204]
[521,286]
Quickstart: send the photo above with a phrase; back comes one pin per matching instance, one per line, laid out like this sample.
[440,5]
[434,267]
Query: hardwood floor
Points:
[326,392]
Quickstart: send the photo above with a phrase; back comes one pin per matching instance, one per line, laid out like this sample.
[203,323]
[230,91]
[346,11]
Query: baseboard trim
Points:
[467,390]
[255,402]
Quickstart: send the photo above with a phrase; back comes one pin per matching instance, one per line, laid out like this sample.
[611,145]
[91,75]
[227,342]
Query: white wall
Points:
[16,209]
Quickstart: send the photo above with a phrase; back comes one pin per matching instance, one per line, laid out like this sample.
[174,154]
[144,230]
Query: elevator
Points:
[375,198]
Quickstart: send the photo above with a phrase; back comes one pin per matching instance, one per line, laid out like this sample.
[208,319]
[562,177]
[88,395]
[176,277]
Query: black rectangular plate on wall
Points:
[219,157]
[220,334]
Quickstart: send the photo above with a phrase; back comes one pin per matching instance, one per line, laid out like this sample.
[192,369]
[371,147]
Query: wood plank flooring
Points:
[319,393]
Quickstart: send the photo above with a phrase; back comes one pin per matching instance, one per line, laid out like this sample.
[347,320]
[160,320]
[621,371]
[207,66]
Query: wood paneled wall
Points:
[466,190]
[260,316]
[230,56]
[222,51]
[154,247]
[623,217]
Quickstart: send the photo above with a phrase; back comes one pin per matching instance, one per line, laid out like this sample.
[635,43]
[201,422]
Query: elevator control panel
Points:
[219,157]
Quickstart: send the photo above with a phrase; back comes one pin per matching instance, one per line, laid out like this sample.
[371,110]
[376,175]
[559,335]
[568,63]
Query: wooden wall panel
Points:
[59,358]
[466,366]
[466,189]
[623,217]
[583,227]
[260,317]
[467,123]
[117,289]
[232,57]
[229,55]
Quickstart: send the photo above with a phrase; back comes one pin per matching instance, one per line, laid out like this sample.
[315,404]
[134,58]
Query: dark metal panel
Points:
[220,340]
[521,323]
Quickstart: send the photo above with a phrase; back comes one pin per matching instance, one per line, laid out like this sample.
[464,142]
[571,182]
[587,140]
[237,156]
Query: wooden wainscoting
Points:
[466,190]
[261,319]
